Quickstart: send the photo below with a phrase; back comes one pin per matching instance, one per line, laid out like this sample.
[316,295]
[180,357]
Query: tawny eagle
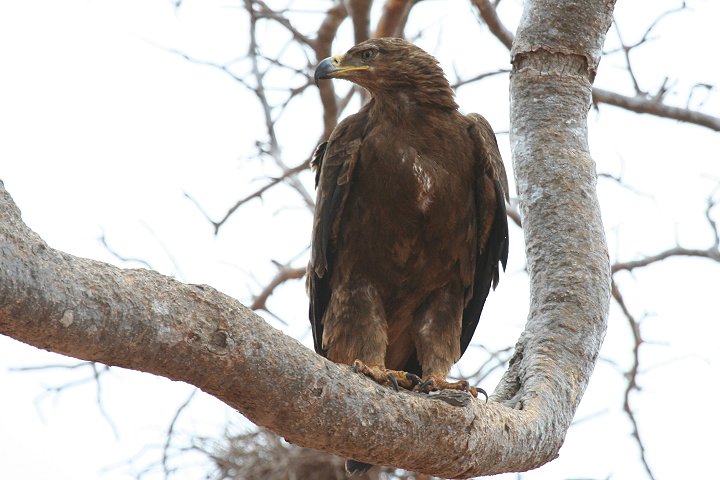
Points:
[410,224]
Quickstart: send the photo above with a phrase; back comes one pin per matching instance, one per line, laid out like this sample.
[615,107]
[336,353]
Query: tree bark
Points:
[555,57]
[142,320]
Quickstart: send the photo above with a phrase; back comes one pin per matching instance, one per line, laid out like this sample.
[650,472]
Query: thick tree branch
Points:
[554,58]
[360,13]
[141,320]
[393,19]
[323,46]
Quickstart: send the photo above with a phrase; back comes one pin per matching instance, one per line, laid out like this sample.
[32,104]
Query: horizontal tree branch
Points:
[640,104]
[711,253]
[637,104]
[142,320]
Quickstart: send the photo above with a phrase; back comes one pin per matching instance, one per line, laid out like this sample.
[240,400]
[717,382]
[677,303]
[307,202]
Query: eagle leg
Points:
[432,383]
[384,376]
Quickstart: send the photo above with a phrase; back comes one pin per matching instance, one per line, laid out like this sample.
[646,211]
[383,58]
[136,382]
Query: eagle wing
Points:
[334,162]
[491,192]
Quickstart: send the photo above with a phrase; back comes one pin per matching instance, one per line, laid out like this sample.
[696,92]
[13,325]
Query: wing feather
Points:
[491,192]
[335,162]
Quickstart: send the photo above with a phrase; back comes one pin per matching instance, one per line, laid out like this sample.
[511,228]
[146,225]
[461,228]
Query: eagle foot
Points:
[383,376]
[432,383]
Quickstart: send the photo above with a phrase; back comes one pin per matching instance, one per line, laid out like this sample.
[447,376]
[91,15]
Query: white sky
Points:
[103,131]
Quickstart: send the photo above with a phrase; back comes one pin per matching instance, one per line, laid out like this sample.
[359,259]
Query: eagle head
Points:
[390,66]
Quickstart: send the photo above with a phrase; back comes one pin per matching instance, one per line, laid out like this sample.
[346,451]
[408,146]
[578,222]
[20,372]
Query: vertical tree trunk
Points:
[555,57]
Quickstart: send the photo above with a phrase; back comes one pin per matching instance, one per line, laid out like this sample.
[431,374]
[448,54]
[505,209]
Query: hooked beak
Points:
[332,67]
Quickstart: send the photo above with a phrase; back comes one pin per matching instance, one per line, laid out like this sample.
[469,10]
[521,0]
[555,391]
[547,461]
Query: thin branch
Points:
[631,376]
[628,64]
[646,36]
[263,11]
[620,181]
[256,194]
[284,274]
[705,87]
[225,68]
[710,253]
[634,104]
[459,83]
[98,370]
[513,212]
[103,241]
[275,151]
[171,430]
[645,105]
[488,13]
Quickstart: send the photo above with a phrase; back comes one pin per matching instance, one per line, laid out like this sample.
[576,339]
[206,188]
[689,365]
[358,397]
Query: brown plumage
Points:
[410,224]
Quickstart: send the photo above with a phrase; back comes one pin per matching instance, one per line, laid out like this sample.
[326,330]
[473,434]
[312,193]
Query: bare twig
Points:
[620,181]
[639,104]
[489,15]
[98,370]
[479,77]
[171,430]
[284,274]
[711,253]
[260,10]
[103,241]
[626,49]
[699,86]
[631,376]
[256,194]
[646,36]
[513,212]
[275,151]
[644,105]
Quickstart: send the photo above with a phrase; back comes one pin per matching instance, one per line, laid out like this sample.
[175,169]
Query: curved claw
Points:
[393,381]
[475,390]
[384,376]
[414,379]
[427,385]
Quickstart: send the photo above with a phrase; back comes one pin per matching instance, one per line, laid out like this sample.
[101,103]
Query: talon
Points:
[414,379]
[475,390]
[384,376]
[427,385]
[393,381]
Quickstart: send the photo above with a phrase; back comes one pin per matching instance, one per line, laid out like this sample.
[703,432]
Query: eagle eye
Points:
[368,54]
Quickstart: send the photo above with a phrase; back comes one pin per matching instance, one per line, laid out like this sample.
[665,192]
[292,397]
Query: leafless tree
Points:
[141,320]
